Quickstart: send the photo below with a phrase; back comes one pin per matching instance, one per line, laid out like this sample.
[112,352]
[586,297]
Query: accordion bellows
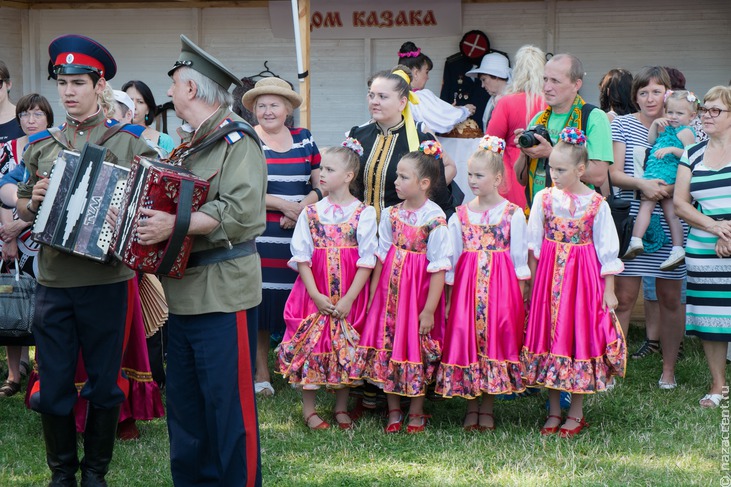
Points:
[158,186]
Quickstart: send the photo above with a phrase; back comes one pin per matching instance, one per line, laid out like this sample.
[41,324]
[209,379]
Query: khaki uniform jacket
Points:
[236,169]
[62,270]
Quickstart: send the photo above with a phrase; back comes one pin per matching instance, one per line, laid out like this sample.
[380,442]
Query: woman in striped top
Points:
[703,200]
[293,168]
[629,134]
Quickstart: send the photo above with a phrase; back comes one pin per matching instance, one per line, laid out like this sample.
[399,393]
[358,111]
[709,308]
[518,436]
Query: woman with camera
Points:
[629,133]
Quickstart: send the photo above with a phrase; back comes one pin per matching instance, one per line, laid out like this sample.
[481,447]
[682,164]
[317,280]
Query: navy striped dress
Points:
[709,277]
[630,131]
[288,177]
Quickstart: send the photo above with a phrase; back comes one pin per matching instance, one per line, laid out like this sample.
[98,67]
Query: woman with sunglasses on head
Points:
[9,126]
[703,200]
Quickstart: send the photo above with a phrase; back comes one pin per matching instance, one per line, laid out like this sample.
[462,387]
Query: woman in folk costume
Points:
[573,341]
[399,348]
[484,332]
[333,248]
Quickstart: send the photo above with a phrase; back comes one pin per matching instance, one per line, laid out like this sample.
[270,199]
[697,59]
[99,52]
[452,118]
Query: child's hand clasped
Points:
[342,308]
[324,305]
[426,322]
[610,301]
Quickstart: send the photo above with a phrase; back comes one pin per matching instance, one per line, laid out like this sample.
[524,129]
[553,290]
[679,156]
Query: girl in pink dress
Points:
[333,249]
[573,341]
[484,331]
[399,348]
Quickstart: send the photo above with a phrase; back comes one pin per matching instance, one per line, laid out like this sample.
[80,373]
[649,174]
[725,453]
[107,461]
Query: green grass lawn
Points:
[639,435]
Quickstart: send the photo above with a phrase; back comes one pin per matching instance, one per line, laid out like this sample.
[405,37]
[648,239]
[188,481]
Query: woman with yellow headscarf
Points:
[390,135]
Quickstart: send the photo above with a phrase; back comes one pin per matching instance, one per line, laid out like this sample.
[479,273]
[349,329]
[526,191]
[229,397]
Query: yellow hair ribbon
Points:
[411,134]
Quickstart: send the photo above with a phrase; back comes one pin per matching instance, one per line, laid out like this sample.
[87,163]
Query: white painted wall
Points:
[145,42]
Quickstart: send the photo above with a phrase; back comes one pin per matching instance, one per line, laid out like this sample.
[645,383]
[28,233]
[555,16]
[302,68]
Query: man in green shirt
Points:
[210,389]
[563,78]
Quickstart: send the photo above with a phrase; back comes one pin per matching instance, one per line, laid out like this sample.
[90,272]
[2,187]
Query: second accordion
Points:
[158,186]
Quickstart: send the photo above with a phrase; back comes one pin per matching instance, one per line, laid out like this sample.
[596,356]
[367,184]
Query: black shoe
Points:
[59,433]
[648,348]
[99,436]
[681,352]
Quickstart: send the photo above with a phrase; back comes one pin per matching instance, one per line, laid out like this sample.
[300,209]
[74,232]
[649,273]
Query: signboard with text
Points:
[332,19]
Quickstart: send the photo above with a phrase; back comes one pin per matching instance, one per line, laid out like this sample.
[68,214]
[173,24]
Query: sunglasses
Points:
[2,82]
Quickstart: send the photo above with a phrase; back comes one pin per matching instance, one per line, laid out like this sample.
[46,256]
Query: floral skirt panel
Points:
[391,353]
[571,344]
[318,350]
[485,328]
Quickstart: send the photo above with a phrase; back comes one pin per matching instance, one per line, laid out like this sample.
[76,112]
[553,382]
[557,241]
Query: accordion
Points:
[82,187]
[158,186]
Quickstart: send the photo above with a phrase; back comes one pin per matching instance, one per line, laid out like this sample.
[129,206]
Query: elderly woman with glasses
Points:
[34,114]
[702,198]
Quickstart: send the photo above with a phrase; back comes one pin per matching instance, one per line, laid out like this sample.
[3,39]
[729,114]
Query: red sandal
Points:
[395,426]
[341,425]
[417,429]
[570,433]
[323,425]
[553,429]
[471,427]
[486,428]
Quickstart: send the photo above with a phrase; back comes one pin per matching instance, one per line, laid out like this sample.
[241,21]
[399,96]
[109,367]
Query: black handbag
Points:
[623,221]
[17,301]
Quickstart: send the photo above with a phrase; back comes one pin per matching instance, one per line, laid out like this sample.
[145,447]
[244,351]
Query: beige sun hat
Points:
[270,86]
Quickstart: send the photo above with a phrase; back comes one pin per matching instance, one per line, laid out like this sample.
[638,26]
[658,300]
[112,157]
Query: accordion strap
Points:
[180,230]
[219,134]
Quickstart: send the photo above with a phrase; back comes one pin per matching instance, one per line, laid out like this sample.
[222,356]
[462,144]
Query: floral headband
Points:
[431,148]
[353,144]
[690,97]
[410,53]
[573,136]
[492,143]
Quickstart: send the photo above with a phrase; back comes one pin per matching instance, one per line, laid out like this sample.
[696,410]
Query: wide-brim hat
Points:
[77,54]
[494,64]
[271,86]
[196,58]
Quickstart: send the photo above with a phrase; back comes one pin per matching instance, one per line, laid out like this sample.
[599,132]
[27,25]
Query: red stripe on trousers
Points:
[123,383]
[274,263]
[246,397]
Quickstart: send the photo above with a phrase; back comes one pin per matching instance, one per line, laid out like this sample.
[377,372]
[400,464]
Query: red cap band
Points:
[79,59]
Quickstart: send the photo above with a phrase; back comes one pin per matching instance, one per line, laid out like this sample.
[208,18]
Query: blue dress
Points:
[288,178]
[667,167]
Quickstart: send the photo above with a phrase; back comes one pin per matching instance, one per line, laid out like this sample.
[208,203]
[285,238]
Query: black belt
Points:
[219,254]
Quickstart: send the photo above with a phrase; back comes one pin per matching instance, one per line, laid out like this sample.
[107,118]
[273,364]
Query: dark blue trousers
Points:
[212,419]
[90,318]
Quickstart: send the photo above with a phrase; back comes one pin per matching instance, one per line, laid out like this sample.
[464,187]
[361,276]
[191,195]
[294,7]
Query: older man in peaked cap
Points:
[81,305]
[211,407]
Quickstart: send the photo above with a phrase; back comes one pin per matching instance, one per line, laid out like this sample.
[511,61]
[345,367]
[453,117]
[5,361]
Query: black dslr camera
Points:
[528,138]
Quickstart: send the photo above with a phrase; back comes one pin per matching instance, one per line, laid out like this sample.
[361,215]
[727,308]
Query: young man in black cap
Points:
[81,305]
[210,390]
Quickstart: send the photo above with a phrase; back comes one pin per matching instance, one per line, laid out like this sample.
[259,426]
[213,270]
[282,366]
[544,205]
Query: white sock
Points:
[677,247]
[635,240]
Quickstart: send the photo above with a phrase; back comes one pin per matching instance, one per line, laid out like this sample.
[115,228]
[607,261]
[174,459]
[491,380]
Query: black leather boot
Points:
[99,436]
[59,433]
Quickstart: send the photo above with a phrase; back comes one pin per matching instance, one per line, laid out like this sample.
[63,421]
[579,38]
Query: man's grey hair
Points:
[576,72]
[208,91]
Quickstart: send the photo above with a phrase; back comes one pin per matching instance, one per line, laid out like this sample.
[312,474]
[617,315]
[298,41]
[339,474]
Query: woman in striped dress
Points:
[629,136]
[702,198]
[293,168]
